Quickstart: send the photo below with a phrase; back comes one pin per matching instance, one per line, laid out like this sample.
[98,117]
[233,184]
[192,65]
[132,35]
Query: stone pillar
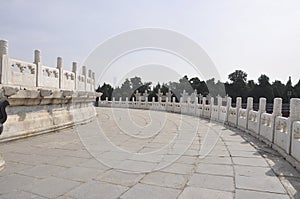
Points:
[212,103]
[262,105]
[203,104]
[219,98]
[120,99]
[4,62]
[39,72]
[94,81]
[228,106]
[84,74]
[4,75]
[74,70]
[60,71]
[153,99]
[3,47]
[277,107]
[249,103]
[261,110]
[249,108]
[294,116]
[238,107]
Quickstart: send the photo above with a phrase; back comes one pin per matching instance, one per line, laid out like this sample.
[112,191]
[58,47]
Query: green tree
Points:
[106,90]
[238,86]
[297,89]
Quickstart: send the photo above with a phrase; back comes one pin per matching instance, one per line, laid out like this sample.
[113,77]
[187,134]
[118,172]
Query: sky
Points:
[256,36]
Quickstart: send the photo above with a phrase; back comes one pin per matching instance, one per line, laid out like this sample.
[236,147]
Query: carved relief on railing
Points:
[21,73]
[232,111]
[266,119]
[242,113]
[281,124]
[296,130]
[253,116]
[223,109]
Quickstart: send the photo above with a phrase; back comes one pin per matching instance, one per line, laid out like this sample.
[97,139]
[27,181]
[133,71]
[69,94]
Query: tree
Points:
[278,89]
[297,89]
[264,89]
[106,90]
[136,82]
[238,87]
[238,76]
[289,91]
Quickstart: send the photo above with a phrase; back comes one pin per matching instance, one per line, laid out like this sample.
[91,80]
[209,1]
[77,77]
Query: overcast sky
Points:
[257,36]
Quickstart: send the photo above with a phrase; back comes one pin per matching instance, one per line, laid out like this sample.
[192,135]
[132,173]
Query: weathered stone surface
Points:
[61,160]
[201,193]
[150,191]
[94,189]
[8,91]
[248,194]
[224,183]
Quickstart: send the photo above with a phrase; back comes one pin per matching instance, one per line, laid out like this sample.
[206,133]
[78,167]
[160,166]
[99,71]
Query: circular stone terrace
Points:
[186,157]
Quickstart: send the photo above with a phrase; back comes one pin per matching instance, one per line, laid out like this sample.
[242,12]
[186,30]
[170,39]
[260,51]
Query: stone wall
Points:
[42,98]
[282,134]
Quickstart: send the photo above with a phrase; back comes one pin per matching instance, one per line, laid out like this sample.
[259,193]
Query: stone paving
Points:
[64,165]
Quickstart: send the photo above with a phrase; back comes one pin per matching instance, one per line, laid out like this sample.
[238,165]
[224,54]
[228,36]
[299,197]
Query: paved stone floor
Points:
[198,159]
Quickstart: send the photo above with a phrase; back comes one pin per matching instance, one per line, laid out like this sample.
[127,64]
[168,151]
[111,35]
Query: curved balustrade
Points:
[283,134]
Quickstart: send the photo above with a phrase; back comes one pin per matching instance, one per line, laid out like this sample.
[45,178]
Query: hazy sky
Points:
[257,36]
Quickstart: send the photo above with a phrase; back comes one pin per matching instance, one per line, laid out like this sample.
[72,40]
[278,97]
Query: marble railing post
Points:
[39,72]
[84,74]
[238,107]
[74,70]
[212,103]
[249,108]
[146,99]
[294,116]
[203,104]
[89,85]
[94,81]
[4,62]
[228,106]
[261,110]
[262,105]
[277,107]
[60,72]
[219,106]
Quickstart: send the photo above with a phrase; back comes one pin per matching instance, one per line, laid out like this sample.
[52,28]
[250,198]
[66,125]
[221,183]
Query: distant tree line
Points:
[238,86]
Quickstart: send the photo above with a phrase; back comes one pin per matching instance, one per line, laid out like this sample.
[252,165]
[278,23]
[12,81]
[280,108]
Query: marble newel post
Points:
[84,74]
[74,70]
[4,71]
[249,108]
[219,98]
[39,72]
[228,106]
[294,116]
[238,107]
[4,66]
[60,75]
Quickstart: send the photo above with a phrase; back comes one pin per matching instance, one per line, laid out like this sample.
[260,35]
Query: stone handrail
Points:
[282,134]
[34,75]
[42,98]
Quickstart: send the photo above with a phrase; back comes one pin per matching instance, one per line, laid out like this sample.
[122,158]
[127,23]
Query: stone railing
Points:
[282,134]
[42,98]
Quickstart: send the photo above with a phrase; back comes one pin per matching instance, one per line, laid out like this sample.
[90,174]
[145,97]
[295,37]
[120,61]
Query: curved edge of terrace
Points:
[280,133]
